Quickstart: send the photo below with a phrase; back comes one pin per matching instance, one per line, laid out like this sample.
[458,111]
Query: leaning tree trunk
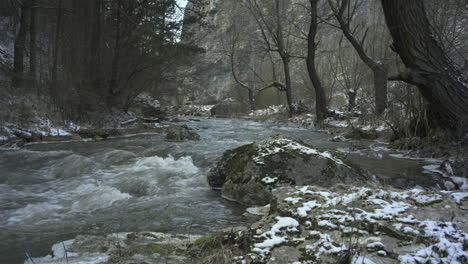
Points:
[427,66]
[320,98]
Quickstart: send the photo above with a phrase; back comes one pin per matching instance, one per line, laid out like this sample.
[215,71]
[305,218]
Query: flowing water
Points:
[55,191]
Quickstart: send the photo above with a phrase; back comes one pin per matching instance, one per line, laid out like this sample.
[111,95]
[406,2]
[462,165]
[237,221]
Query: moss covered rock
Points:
[181,133]
[247,174]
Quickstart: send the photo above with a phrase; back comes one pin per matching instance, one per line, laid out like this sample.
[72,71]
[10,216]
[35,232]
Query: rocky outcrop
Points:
[181,133]
[229,108]
[248,173]
[146,106]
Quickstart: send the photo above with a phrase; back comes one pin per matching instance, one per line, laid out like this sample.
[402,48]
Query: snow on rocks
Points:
[371,225]
[460,196]
[282,144]
[271,110]
[270,238]
[248,173]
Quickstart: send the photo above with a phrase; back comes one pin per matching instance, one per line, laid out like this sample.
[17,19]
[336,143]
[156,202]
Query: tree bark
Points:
[95,67]
[58,34]
[113,82]
[320,98]
[20,46]
[285,58]
[427,66]
[32,43]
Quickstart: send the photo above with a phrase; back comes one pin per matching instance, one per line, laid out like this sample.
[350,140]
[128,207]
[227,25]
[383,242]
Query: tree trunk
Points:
[251,99]
[427,66]
[288,84]
[380,88]
[20,46]
[58,31]
[32,44]
[285,58]
[95,67]
[351,100]
[112,89]
[320,98]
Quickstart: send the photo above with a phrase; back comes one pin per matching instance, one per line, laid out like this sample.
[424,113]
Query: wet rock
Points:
[229,108]
[98,133]
[358,133]
[14,143]
[119,248]
[181,133]
[60,138]
[338,139]
[145,105]
[248,173]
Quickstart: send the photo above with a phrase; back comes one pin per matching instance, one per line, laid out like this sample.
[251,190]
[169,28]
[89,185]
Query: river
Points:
[51,192]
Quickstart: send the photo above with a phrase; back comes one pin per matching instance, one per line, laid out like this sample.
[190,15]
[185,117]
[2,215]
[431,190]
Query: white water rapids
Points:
[55,191]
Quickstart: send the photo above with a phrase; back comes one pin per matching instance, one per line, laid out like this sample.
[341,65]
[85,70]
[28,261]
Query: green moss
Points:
[210,241]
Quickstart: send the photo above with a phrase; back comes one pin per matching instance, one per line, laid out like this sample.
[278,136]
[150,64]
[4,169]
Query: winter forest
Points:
[233,131]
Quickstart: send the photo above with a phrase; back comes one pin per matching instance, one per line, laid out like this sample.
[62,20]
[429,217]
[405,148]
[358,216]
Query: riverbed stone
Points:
[145,105]
[248,173]
[181,133]
[229,108]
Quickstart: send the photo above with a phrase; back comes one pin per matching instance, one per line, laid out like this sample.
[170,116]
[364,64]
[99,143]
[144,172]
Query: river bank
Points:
[299,224]
[124,169]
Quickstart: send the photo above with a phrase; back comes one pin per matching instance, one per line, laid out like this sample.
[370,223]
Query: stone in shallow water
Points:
[247,174]
[181,133]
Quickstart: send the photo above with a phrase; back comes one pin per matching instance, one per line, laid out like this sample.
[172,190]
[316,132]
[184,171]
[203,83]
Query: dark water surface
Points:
[55,191]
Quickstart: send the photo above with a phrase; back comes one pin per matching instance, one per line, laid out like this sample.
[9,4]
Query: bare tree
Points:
[344,14]
[270,21]
[253,83]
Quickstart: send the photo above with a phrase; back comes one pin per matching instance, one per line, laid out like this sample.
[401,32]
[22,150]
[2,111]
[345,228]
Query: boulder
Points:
[229,108]
[247,174]
[181,133]
[144,105]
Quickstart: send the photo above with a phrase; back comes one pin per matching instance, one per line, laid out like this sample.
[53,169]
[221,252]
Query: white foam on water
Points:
[73,166]
[183,165]
[61,254]
[92,197]
[34,211]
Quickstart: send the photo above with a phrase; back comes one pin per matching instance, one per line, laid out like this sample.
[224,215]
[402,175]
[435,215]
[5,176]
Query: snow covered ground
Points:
[374,225]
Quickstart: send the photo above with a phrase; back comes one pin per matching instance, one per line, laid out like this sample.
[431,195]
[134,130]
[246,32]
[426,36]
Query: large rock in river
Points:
[229,108]
[144,105]
[181,133]
[247,174]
